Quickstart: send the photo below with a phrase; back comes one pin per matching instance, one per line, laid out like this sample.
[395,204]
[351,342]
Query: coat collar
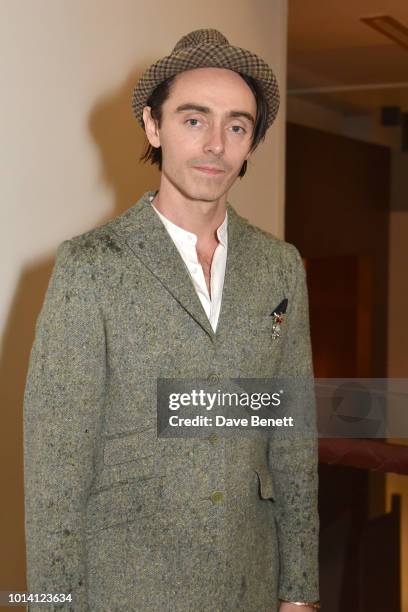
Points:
[148,239]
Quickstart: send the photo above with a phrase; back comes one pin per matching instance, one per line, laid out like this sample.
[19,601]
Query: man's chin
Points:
[206,197]
[202,191]
[206,194]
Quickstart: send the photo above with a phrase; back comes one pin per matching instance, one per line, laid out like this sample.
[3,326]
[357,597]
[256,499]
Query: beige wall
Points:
[69,160]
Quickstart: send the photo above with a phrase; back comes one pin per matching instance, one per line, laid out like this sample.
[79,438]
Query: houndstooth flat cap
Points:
[206,48]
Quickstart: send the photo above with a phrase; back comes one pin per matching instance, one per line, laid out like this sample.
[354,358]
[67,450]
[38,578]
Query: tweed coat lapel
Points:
[238,273]
[150,242]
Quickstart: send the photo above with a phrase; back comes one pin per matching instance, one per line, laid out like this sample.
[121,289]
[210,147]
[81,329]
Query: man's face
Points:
[207,122]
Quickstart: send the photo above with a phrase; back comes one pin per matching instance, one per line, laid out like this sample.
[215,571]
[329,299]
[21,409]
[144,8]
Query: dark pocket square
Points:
[281,308]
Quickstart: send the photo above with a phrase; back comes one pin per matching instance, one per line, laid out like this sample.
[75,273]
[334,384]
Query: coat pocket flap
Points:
[265,482]
[134,446]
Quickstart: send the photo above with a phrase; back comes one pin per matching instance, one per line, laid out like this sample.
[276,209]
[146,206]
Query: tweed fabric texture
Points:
[206,48]
[126,521]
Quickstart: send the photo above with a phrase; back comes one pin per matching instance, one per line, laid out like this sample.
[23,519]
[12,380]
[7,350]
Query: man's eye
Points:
[192,124]
[237,128]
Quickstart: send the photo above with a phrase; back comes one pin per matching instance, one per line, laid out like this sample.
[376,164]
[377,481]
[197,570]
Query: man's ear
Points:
[151,127]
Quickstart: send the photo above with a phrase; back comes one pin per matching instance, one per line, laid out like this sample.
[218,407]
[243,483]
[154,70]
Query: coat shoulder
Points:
[92,246]
[107,242]
[278,251]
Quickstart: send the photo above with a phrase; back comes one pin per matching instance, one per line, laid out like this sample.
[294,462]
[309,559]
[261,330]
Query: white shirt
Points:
[186,245]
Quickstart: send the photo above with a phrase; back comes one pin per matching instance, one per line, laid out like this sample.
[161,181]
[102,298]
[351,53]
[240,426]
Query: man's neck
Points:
[199,217]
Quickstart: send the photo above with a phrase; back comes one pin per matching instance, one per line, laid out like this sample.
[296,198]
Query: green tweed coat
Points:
[124,520]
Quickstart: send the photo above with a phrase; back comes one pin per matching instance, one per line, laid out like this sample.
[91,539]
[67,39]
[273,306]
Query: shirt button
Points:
[217,497]
[213,378]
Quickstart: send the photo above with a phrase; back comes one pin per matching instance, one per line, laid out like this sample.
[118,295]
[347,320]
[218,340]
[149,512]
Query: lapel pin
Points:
[278,318]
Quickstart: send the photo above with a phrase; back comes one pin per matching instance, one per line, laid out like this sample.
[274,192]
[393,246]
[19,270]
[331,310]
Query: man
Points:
[179,286]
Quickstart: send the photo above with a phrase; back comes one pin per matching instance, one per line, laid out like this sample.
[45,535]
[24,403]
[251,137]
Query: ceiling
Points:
[329,47]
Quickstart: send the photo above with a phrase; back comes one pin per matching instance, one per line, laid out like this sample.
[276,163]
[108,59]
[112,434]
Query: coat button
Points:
[217,497]
[213,378]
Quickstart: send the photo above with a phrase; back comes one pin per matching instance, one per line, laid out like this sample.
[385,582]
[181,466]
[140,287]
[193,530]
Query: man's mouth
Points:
[209,169]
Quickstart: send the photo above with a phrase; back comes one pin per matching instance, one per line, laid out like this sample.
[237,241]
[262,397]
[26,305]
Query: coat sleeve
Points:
[63,404]
[293,458]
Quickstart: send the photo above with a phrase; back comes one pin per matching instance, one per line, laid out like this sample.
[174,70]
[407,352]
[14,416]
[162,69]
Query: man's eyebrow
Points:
[189,106]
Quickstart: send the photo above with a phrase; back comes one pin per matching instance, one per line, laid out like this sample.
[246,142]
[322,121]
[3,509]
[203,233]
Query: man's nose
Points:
[215,140]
